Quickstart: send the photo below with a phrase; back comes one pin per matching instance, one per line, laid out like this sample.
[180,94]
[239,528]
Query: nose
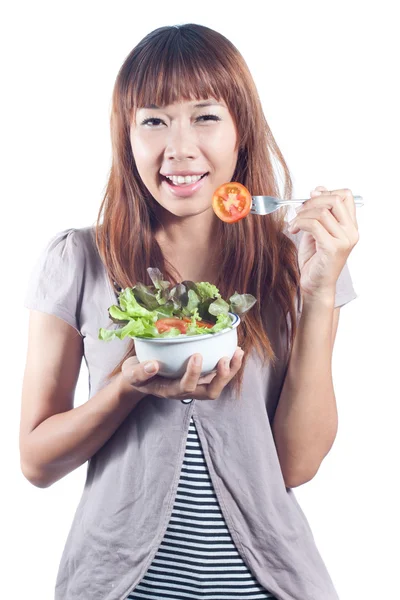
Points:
[181,143]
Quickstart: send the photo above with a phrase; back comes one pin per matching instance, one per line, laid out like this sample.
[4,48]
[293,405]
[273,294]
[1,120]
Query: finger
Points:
[137,373]
[207,378]
[318,191]
[189,381]
[345,196]
[319,233]
[320,188]
[325,217]
[131,361]
[333,202]
[348,201]
[226,370]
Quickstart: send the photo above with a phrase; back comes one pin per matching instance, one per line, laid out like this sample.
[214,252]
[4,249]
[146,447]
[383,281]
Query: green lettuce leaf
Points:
[178,296]
[223,322]
[192,304]
[130,305]
[135,327]
[146,295]
[218,307]
[206,290]
[241,303]
[161,286]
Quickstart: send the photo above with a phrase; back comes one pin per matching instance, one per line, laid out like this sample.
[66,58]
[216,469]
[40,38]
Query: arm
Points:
[306,420]
[56,438]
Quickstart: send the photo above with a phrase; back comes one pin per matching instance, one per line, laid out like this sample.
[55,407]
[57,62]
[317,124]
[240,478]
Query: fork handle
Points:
[358,201]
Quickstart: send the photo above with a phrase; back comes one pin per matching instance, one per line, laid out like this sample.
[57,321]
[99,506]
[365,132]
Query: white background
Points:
[327,77]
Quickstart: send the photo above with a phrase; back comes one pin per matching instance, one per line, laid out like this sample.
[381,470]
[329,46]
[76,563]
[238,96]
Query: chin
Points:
[187,211]
[185,207]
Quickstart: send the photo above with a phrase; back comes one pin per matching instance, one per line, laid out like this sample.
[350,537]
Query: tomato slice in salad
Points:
[167,324]
[205,324]
[231,202]
[181,324]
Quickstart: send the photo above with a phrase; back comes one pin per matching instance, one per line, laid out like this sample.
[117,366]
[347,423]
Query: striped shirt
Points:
[197,556]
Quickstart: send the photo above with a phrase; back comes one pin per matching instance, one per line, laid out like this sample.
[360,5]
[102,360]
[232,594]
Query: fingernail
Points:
[315,193]
[150,367]
[197,360]
[226,363]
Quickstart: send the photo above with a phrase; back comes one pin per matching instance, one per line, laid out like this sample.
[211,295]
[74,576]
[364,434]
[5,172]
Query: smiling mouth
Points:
[170,182]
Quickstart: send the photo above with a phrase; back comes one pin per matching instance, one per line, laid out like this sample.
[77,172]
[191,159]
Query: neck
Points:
[194,232]
[191,245]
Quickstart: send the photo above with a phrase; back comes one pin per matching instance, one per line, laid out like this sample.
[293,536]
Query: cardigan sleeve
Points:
[55,283]
[345,292]
[344,288]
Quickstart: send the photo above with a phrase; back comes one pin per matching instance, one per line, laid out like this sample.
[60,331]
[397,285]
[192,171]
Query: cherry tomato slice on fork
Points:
[231,202]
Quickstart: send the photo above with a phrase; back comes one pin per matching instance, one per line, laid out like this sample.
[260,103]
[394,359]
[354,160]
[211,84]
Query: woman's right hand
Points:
[191,385]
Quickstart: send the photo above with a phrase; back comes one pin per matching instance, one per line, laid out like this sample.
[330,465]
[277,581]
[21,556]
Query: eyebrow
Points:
[200,105]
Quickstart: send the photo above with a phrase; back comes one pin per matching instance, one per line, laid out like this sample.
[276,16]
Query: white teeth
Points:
[179,179]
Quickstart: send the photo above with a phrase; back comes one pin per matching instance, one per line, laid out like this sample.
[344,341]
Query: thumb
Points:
[136,372]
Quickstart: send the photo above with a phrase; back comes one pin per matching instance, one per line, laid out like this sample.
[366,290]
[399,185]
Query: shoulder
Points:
[60,274]
[74,243]
[70,254]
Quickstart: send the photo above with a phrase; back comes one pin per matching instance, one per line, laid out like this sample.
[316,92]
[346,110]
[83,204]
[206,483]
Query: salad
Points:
[159,311]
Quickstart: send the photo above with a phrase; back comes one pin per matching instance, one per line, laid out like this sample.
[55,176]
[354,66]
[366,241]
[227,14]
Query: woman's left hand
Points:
[330,228]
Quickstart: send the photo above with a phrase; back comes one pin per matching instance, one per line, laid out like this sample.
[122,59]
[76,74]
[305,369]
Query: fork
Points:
[264,205]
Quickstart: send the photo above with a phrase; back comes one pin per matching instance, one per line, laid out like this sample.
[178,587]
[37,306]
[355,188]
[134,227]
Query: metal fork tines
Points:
[264,205]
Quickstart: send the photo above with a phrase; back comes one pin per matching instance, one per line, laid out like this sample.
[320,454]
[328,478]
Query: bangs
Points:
[178,69]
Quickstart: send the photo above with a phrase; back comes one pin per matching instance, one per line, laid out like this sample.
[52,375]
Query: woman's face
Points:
[185,138]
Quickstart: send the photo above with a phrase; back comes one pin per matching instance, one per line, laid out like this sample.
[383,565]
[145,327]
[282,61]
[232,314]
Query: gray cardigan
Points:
[132,480]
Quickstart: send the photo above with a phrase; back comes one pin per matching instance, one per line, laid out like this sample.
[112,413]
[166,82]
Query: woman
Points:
[188,490]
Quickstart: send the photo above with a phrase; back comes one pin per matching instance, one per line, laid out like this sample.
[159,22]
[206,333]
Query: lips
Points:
[185,190]
[183,174]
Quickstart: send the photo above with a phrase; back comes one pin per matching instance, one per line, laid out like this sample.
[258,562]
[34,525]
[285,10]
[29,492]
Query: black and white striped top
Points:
[197,556]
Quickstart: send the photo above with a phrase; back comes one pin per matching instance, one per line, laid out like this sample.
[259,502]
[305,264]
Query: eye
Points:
[209,117]
[154,122]
[146,121]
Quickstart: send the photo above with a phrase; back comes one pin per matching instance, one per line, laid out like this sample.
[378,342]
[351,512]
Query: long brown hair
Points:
[194,62]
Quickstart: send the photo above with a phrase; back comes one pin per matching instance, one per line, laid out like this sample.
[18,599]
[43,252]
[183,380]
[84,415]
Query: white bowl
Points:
[173,354]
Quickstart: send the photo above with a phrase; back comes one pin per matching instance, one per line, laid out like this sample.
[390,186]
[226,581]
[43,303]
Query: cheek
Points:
[221,149]
[226,143]
[144,155]
[140,149]
[145,146]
